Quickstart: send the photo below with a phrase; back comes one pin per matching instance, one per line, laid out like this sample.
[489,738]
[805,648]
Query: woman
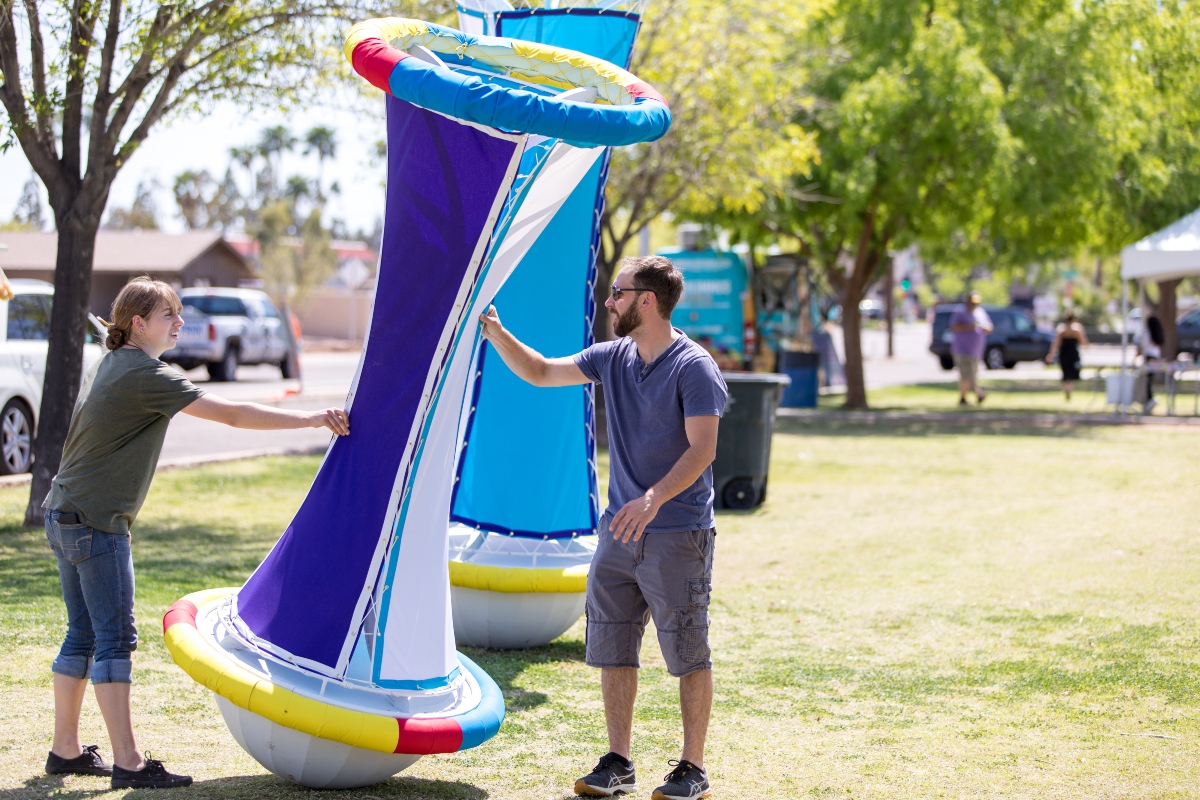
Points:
[1151,340]
[117,429]
[1069,339]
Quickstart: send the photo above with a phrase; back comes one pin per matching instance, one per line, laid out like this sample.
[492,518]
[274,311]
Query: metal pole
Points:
[1124,341]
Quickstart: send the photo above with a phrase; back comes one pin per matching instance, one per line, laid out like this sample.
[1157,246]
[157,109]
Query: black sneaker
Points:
[89,762]
[685,782]
[613,775]
[152,776]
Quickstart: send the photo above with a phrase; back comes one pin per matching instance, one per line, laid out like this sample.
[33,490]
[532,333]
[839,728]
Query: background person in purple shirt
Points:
[664,397]
[970,325]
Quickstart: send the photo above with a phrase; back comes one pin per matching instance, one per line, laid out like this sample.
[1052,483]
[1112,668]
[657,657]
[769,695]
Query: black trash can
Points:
[802,369]
[744,438]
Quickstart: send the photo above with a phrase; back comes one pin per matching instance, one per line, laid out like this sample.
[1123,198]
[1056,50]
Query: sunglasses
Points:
[618,290]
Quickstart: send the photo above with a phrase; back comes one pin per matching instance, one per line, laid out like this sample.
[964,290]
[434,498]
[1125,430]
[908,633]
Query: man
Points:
[970,325]
[664,396]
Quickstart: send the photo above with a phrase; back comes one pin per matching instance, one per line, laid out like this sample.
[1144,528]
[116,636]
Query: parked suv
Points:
[25,321]
[1015,337]
[223,328]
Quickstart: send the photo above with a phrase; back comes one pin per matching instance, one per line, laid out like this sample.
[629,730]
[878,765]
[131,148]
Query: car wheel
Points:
[947,362]
[290,367]
[994,357]
[740,493]
[16,438]
[226,368]
[1010,365]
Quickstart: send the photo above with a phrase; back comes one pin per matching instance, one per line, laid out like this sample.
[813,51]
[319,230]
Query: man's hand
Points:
[336,419]
[489,323]
[634,516]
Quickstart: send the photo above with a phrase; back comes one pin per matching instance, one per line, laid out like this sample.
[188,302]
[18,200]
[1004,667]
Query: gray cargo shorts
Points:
[667,576]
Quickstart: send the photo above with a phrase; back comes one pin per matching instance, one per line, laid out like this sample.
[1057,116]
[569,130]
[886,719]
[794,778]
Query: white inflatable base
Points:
[307,760]
[512,621]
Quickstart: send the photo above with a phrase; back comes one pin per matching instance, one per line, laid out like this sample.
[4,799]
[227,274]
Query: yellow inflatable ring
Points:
[518,580]
[208,666]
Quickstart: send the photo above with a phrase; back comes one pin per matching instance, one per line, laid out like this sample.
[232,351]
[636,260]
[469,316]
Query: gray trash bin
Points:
[744,438]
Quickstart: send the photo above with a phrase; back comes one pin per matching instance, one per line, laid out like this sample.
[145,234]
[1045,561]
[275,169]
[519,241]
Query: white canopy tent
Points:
[1173,252]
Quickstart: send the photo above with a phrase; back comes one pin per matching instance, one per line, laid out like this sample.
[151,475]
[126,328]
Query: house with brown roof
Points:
[195,258]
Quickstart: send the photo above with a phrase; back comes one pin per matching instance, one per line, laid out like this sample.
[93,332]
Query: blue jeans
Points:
[96,571]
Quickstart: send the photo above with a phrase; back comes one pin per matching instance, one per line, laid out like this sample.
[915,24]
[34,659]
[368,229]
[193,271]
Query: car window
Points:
[1192,319]
[1003,322]
[217,306]
[268,309]
[29,317]
[1022,323]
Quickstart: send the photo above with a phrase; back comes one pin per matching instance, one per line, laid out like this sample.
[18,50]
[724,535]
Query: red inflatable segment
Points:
[428,736]
[184,611]
[375,59]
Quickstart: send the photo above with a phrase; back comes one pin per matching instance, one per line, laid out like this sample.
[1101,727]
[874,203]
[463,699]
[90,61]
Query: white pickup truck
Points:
[223,328]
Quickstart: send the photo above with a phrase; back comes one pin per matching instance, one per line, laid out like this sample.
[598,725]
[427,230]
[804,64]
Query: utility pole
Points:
[889,304]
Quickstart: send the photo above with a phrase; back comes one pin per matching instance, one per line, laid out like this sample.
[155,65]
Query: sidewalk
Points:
[975,417]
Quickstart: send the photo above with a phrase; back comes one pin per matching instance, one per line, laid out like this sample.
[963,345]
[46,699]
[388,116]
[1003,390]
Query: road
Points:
[326,380]
[912,362]
[327,377]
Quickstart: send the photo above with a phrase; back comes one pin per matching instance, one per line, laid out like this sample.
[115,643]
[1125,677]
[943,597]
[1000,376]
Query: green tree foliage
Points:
[732,106]
[142,215]
[28,215]
[1000,134]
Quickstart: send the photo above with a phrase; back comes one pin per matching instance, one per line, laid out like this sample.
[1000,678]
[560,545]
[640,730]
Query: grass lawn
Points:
[1040,395]
[988,613]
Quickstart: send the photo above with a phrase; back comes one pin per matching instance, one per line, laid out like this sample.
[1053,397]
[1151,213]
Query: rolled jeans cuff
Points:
[114,670]
[73,666]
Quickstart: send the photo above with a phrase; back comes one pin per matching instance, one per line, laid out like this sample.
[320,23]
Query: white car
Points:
[25,321]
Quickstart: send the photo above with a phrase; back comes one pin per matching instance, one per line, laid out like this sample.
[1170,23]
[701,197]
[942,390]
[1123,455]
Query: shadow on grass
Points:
[253,786]
[972,423]
[505,666]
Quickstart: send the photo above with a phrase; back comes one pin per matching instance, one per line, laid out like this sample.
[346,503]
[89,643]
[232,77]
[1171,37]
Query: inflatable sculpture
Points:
[335,664]
[525,507]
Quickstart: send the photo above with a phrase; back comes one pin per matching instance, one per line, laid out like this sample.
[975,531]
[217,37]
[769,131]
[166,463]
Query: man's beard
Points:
[627,323]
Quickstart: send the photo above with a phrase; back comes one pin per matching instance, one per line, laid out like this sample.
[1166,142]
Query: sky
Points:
[203,142]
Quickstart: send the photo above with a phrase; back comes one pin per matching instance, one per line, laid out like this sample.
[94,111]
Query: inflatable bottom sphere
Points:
[514,592]
[307,760]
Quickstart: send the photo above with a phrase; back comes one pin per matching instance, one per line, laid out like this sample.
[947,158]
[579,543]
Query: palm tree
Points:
[323,142]
[272,143]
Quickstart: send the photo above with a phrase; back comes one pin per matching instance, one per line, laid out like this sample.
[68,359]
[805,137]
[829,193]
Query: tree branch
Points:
[36,143]
[79,44]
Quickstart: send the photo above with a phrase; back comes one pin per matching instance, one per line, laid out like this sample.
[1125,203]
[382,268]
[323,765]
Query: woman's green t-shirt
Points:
[117,431]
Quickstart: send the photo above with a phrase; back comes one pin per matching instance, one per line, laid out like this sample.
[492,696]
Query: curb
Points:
[24,479]
[983,417]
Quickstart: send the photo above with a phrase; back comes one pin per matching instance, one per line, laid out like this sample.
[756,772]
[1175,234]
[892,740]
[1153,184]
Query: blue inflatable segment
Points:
[528,468]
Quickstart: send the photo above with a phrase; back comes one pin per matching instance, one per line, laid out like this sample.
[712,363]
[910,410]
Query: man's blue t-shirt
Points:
[646,405]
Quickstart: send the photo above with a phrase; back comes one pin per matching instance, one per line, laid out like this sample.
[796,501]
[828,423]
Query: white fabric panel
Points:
[418,641]
[1173,252]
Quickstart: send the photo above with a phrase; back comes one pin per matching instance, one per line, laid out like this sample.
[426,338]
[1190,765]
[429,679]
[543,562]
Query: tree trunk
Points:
[1167,310]
[64,361]
[856,389]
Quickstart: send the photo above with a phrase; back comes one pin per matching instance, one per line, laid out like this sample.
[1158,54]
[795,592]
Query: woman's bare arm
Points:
[266,418]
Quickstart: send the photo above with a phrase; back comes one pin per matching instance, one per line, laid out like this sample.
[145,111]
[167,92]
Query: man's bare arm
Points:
[528,364]
[633,518]
[266,418]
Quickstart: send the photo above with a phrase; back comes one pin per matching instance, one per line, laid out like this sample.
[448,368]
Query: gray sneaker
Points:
[613,775]
[685,782]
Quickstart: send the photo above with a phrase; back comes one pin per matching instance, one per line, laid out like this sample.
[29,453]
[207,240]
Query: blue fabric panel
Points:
[471,97]
[606,35]
[443,179]
[525,469]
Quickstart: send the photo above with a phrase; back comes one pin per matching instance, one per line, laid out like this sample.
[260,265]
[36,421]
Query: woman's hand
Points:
[336,419]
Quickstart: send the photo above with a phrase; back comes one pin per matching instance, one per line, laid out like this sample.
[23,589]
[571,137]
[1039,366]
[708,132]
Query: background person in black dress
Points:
[1069,339]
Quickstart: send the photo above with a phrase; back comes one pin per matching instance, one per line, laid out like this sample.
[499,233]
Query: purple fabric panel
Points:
[443,178]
